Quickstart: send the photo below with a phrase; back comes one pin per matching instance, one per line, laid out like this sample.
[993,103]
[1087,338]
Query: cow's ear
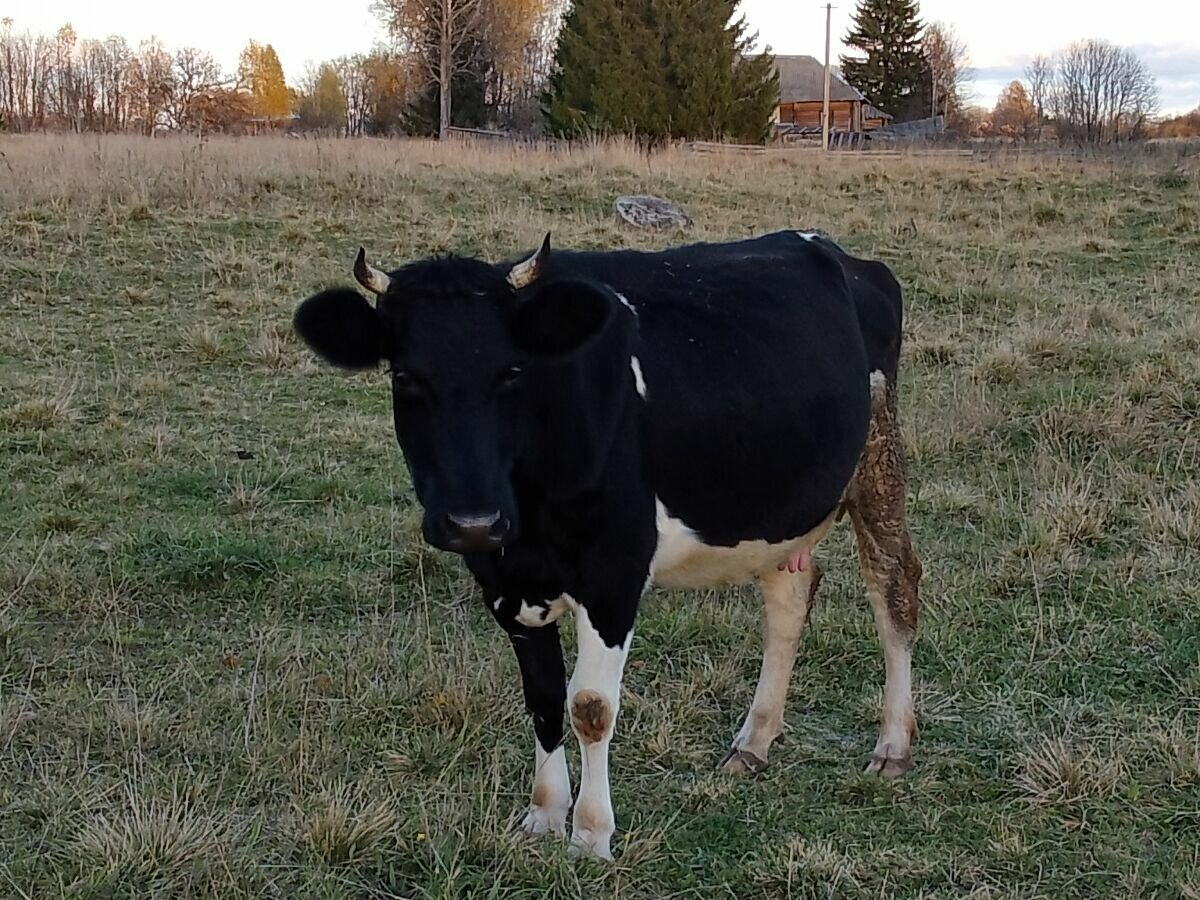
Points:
[558,318]
[342,328]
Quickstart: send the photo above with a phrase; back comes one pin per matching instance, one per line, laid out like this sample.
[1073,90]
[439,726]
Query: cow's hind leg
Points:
[875,502]
[787,598]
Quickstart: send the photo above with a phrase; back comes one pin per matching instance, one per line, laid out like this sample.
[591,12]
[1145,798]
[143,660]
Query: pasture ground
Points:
[229,668]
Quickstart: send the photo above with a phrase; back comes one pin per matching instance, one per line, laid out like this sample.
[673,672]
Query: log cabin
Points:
[802,95]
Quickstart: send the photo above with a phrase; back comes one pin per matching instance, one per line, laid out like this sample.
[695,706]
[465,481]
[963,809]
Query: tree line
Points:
[657,69]
[65,83]
[1091,92]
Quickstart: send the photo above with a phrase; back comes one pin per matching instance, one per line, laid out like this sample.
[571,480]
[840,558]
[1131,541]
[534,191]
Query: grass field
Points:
[229,668]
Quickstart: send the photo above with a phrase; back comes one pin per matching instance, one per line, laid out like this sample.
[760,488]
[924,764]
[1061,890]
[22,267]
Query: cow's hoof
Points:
[741,762]
[886,765]
[545,820]
[586,846]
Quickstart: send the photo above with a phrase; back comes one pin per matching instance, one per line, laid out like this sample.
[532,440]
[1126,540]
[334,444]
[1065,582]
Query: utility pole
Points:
[825,114]
[934,78]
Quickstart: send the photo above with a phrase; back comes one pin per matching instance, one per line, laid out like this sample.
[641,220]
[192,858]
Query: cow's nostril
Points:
[472,523]
[483,532]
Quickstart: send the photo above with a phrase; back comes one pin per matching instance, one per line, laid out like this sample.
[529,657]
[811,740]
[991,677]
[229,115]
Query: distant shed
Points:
[802,98]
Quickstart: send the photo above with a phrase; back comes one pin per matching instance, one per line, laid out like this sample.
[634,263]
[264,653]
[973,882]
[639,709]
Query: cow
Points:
[581,425]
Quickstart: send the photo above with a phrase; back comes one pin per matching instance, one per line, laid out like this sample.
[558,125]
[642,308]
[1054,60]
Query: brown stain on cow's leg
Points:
[541,795]
[875,502]
[590,820]
[591,716]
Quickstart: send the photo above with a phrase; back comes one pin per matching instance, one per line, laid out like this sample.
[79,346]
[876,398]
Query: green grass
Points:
[228,666]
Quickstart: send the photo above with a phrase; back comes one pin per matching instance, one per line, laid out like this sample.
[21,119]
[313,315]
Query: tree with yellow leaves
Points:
[260,72]
[1015,115]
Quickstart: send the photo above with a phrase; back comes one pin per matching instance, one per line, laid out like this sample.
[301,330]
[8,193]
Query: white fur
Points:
[638,380]
[598,668]
[683,560]
[878,382]
[808,235]
[895,737]
[552,785]
[537,616]
[625,302]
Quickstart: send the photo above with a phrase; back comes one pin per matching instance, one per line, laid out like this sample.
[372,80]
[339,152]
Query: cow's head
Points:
[490,366]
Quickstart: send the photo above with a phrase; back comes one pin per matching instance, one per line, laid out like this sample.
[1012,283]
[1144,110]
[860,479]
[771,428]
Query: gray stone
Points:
[651,213]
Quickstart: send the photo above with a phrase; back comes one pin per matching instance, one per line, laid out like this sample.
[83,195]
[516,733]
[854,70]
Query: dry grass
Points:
[347,826]
[212,584]
[168,840]
[1055,772]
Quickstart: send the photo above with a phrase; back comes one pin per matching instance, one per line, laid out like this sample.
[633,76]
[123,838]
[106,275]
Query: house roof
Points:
[803,78]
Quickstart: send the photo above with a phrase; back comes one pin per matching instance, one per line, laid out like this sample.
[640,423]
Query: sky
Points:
[1000,37]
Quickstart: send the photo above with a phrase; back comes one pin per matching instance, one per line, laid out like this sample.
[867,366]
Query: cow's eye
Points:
[510,377]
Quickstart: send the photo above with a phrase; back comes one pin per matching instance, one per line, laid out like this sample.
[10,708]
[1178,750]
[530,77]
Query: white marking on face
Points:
[537,616]
[638,380]
[625,302]
[683,560]
[598,669]
[551,800]
[878,382]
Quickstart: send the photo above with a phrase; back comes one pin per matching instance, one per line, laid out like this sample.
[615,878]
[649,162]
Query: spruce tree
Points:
[659,69]
[893,71]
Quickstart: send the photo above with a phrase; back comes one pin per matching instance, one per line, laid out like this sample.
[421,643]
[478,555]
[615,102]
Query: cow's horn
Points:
[368,276]
[527,272]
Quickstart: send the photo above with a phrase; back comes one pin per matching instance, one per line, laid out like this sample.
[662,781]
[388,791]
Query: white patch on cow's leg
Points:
[594,698]
[893,751]
[551,799]
[638,381]
[787,597]
[878,383]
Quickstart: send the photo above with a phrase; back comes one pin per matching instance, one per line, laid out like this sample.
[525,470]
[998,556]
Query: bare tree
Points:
[195,74]
[947,57]
[1102,94]
[65,84]
[26,63]
[114,69]
[1040,75]
[354,76]
[436,32]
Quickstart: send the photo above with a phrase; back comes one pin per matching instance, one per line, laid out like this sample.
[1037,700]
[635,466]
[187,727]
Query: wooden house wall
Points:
[844,115]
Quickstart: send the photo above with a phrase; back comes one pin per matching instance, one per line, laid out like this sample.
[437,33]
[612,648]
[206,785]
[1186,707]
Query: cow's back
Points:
[756,376]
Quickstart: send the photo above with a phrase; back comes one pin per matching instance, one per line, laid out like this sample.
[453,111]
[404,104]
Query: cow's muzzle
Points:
[475,533]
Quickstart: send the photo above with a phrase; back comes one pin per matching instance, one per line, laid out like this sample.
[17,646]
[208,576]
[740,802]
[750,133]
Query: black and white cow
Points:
[581,425]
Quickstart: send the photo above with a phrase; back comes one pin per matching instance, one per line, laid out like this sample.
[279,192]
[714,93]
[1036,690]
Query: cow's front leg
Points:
[544,681]
[594,698]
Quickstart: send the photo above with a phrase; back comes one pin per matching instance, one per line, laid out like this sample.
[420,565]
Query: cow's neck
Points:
[585,405]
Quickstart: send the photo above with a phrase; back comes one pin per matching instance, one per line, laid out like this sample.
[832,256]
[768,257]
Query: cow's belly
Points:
[682,560]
